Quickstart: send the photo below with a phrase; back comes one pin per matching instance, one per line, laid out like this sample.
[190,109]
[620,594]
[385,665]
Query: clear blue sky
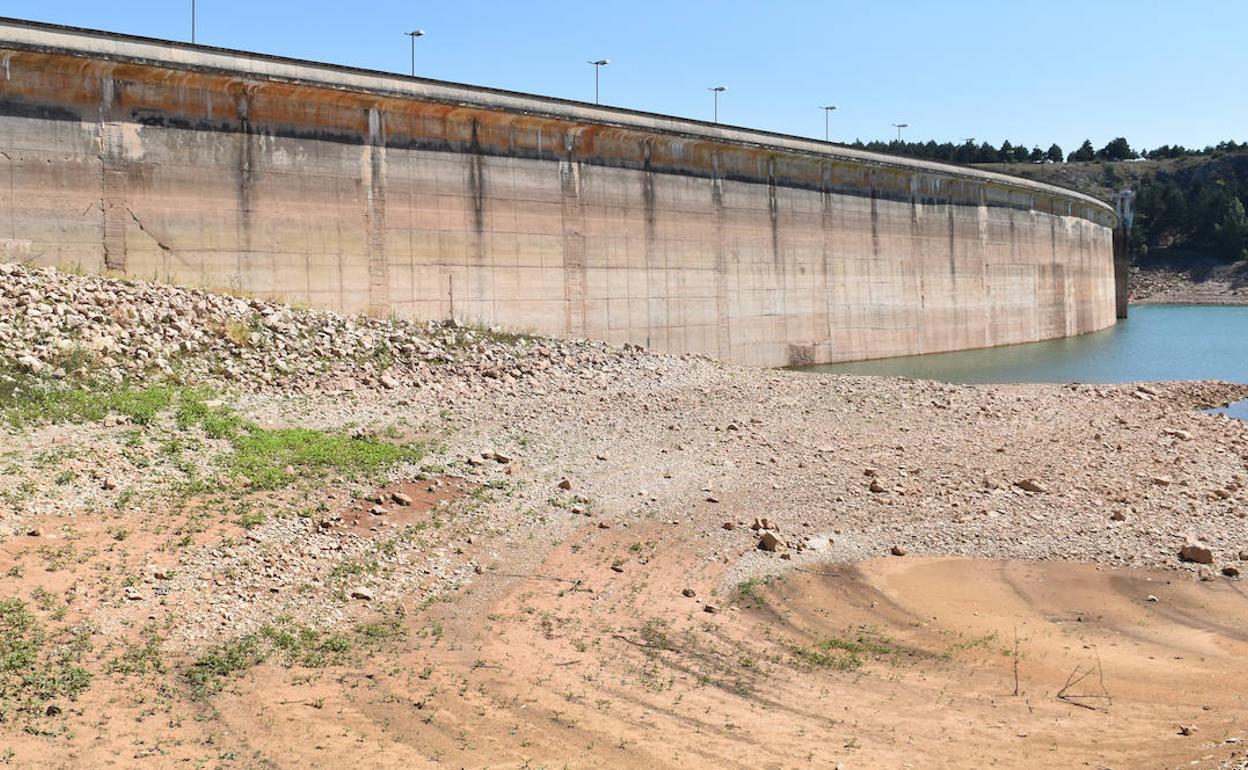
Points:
[1153,70]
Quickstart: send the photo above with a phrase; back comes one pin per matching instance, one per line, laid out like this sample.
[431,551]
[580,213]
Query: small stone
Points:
[897,551]
[388,382]
[728,525]
[710,609]
[1162,481]
[1230,572]
[1031,485]
[133,594]
[1182,435]
[876,487]
[565,485]
[478,569]
[401,498]
[1188,730]
[1152,598]
[769,542]
[377,510]
[501,458]
[34,532]
[617,568]
[108,485]
[288,471]
[688,593]
[1194,552]
[712,499]
[360,592]
[1118,516]
[604,525]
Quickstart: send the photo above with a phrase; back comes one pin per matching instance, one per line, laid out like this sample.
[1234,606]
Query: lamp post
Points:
[716,91]
[598,65]
[192,21]
[413,35]
[827,111]
[900,126]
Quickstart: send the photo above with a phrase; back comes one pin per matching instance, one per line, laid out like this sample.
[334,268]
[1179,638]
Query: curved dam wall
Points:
[367,192]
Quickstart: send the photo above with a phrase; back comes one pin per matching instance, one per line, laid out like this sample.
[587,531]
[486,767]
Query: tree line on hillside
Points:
[1199,210]
[969,152]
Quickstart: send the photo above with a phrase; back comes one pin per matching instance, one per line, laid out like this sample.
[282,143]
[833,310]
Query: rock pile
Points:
[58,324]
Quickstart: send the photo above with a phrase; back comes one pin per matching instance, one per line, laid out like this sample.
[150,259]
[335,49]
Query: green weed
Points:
[35,670]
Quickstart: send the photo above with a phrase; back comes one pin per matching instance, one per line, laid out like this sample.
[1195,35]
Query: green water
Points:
[1157,342]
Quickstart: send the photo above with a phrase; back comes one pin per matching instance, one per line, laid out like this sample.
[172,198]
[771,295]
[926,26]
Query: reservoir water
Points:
[1157,342]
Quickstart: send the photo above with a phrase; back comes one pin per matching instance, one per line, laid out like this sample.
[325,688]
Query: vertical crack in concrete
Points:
[375,215]
[573,217]
[723,319]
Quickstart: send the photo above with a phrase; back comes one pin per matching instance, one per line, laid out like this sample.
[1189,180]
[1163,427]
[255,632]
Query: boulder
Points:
[1196,553]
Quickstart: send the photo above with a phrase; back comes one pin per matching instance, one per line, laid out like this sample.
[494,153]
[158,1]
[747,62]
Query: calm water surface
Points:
[1157,342]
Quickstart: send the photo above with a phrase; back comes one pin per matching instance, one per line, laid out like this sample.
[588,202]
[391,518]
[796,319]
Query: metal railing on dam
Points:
[364,191]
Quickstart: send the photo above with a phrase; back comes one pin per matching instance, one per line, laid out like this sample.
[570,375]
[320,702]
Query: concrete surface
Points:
[369,192]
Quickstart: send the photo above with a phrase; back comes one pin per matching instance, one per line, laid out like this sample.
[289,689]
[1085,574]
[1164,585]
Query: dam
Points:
[369,192]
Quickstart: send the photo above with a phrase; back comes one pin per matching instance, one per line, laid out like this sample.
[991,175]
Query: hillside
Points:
[236,534]
[1190,240]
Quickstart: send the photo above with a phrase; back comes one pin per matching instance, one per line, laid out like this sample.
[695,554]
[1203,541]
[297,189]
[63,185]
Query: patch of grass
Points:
[140,658]
[842,654]
[216,421]
[294,645]
[305,646]
[378,632]
[29,400]
[748,591]
[261,455]
[34,669]
[251,519]
[210,672]
[963,645]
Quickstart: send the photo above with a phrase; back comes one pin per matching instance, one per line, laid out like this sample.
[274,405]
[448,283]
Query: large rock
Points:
[769,542]
[1197,553]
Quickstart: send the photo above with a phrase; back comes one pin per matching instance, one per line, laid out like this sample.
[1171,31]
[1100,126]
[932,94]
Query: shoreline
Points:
[1167,286]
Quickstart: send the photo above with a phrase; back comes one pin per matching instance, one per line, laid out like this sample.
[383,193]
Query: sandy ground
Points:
[581,678]
[964,576]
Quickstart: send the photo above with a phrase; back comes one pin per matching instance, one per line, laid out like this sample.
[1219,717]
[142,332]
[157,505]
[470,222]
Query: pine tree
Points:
[1084,154]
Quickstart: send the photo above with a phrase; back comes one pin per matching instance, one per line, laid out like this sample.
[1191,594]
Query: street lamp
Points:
[413,35]
[826,112]
[716,91]
[900,126]
[598,65]
[192,21]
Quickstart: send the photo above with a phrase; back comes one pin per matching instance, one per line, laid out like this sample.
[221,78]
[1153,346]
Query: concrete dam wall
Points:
[368,192]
